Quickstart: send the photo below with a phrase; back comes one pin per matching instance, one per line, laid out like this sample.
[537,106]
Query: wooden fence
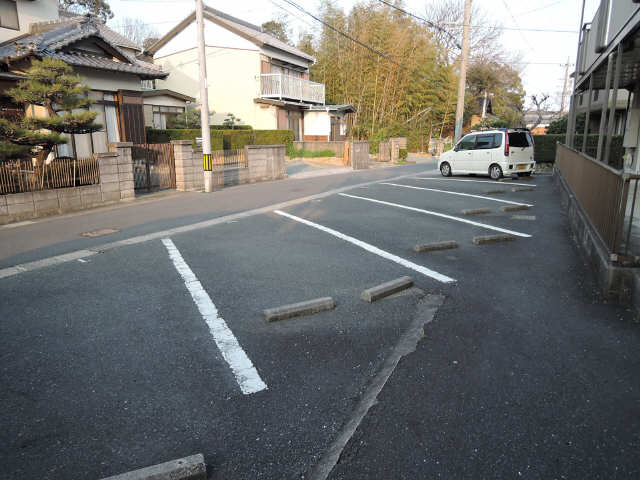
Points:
[17,176]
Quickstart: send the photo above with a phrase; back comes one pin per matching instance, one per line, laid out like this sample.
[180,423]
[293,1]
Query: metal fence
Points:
[153,166]
[230,158]
[17,176]
[601,190]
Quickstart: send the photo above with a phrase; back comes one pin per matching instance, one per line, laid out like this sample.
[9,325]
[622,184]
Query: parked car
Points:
[495,152]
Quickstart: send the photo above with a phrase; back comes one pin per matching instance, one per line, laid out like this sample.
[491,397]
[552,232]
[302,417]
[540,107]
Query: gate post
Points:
[188,166]
[125,168]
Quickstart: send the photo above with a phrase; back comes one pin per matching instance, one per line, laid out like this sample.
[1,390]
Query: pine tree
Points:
[51,84]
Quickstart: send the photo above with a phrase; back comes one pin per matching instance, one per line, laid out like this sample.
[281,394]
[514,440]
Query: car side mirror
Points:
[456,148]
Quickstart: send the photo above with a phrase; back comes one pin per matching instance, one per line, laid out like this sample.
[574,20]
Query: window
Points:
[467,143]
[485,142]
[111,124]
[9,14]
[497,140]
[518,139]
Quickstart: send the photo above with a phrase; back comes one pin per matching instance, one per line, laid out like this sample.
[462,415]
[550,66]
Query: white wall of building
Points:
[109,81]
[317,123]
[30,11]
[213,35]
[233,76]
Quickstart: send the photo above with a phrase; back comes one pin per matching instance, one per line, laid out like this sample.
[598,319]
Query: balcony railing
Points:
[277,85]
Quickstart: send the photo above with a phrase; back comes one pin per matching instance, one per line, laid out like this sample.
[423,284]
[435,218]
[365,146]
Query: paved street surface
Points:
[149,343]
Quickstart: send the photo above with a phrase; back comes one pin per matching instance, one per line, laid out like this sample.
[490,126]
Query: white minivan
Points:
[496,152]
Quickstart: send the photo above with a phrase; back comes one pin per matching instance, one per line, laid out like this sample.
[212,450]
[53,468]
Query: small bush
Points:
[304,153]
[402,154]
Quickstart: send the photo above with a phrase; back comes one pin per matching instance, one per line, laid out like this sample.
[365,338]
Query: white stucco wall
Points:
[233,76]
[164,100]
[109,81]
[317,123]
[31,12]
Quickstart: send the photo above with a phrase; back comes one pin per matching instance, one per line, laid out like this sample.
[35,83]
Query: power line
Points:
[496,27]
[428,22]
[541,8]
[518,26]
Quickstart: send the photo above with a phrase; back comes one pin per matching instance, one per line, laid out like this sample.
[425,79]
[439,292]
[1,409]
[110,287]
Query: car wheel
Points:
[526,174]
[445,169]
[495,172]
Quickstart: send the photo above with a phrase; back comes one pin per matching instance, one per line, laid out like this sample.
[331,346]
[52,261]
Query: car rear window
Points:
[518,139]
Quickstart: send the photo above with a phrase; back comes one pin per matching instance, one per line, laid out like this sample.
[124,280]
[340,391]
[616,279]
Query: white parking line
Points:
[370,248]
[244,371]
[457,193]
[441,215]
[475,181]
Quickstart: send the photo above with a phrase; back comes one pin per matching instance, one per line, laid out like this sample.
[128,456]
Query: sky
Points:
[543,33]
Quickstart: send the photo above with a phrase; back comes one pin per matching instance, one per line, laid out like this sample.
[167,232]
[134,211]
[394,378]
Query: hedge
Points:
[546,147]
[223,139]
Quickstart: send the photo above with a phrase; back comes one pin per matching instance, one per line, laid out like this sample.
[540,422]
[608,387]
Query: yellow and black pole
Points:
[204,101]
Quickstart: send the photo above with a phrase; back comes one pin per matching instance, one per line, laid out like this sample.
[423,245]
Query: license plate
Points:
[521,167]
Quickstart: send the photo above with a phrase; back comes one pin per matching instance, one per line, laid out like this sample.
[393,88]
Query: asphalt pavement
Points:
[110,362]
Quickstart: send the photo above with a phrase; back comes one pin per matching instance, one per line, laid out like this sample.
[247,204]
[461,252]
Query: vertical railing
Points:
[601,191]
[277,85]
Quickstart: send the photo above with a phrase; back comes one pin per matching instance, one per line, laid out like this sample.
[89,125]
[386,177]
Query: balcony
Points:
[287,87]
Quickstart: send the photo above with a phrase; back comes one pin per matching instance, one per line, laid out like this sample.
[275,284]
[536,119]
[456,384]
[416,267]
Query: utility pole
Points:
[462,83]
[204,101]
[564,88]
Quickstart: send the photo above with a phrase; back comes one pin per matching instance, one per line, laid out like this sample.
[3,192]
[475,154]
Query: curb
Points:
[514,208]
[297,309]
[492,239]
[432,247]
[186,468]
[475,211]
[385,289]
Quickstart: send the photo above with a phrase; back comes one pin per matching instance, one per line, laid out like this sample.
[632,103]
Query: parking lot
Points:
[157,348]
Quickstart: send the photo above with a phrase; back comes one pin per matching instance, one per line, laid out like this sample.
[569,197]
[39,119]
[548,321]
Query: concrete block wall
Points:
[359,155]
[115,185]
[266,162]
[189,166]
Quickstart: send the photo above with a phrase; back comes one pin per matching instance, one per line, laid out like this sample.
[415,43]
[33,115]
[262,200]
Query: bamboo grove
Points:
[412,92]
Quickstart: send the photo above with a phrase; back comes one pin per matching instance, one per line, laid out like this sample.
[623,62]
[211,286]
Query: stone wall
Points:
[359,155]
[336,147]
[116,184]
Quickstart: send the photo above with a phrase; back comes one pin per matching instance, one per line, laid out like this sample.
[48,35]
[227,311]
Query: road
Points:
[149,343]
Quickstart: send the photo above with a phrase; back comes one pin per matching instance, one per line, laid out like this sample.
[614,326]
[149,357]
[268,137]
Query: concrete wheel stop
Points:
[298,309]
[385,289]
[186,468]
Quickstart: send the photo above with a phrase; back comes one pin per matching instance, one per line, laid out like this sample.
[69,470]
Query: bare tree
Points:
[539,102]
[448,16]
[136,30]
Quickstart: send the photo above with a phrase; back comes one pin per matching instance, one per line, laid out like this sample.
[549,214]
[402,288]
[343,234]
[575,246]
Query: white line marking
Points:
[475,181]
[370,248]
[244,371]
[441,215]
[457,193]
[67,257]
[18,224]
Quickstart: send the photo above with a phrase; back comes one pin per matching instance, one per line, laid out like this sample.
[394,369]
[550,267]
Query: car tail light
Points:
[506,144]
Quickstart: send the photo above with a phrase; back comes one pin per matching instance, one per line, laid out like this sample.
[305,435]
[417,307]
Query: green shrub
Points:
[223,139]
[304,153]
[402,154]
[546,147]
[374,146]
